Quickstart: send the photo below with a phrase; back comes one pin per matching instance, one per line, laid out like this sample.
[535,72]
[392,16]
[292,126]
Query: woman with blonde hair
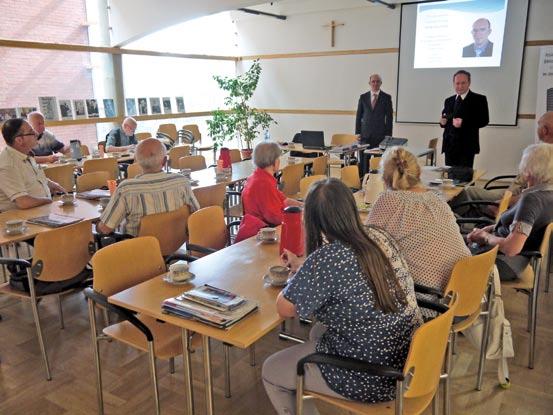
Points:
[422,224]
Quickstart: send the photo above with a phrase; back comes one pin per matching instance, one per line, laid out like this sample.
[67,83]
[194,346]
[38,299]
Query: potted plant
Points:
[239,121]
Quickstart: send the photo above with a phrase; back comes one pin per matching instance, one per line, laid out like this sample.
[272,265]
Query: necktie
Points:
[373,101]
[458,102]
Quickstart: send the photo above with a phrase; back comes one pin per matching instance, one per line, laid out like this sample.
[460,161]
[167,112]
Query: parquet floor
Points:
[72,390]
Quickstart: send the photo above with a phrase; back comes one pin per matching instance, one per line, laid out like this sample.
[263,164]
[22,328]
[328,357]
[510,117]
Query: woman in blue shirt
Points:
[357,285]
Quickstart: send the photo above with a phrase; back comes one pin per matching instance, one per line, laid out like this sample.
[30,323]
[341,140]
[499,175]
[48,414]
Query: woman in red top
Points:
[262,201]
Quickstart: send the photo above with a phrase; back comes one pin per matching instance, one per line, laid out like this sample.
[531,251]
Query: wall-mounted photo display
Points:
[167,105]
[109,107]
[7,113]
[92,108]
[49,108]
[66,109]
[180,104]
[155,105]
[143,106]
[130,103]
[22,112]
[80,108]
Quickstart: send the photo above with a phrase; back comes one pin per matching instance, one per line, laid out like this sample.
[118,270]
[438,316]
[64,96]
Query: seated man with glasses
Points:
[48,145]
[122,138]
[23,183]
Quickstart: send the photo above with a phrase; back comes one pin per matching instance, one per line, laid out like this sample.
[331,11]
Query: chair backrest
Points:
[193,163]
[170,228]
[469,279]
[350,176]
[426,356]
[142,136]
[62,253]
[85,151]
[290,178]
[503,204]
[170,130]
[235,155]
[211,195]
[306,182]
[374,163]
[343,139]
[64,175]
[207,228]
[108,165]
[545,249]
[433,143]
[320,165]
[102,146]
[431,158]
[193,128]
[125,264]
[175,154]
[94,180]
[133,170]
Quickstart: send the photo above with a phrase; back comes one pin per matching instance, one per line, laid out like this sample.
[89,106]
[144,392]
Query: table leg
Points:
[207,376]
[187,369]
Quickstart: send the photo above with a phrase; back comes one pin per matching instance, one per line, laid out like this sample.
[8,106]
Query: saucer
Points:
[67,204]
[168,280]
[447,186]
[267,280]
[13,233]
[268,240]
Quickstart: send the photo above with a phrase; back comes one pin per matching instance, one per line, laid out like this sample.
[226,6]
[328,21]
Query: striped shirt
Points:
[147,194]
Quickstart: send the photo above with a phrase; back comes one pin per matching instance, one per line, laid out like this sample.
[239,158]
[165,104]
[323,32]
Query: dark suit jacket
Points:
[371,124]
[474,112]
[468,51]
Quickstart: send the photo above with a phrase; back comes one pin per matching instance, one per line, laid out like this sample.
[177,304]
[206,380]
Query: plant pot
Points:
[246,153]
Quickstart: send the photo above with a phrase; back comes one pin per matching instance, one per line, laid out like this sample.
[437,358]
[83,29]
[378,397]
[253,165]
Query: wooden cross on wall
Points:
[333,25]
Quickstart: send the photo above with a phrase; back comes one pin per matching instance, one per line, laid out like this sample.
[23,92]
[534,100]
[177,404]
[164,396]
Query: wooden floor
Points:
[72,390]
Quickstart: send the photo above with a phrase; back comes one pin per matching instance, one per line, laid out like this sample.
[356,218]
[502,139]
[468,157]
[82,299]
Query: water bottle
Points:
[267,135]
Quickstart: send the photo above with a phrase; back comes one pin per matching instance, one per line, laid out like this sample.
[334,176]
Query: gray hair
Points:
[150,154]
[266,154]
[537,162]
[35,114]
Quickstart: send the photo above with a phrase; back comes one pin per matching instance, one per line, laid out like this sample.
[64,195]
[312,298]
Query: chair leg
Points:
[171,365]
[299,395]
[447,375]
[436,403]
[96,349]
[60,310]
[34,307]
[484,344]
[529,324]
[152,364]
[226,350]
[252,355]
[105,315]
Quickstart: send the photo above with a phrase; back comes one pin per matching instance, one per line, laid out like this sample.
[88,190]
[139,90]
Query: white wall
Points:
[336,82]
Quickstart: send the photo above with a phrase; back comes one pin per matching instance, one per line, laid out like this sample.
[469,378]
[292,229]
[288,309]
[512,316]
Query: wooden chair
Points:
[193,128]
[431,158]
[170,130]
[60,255]
[90,181]
[320,165]
[529,283]
[290,179]
[134,170]
[350,176]
[175,154]
[85,151]
[142,136]
[207,229]
[170,229]
[193,163]
[116,268]
[343,139]
[211,195]
[421,372]
[235,155]
[64,175]
[502,206]
[108,165]
[306,182]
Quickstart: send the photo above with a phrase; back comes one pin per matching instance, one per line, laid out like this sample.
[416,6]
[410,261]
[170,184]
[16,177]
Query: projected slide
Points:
[460,33]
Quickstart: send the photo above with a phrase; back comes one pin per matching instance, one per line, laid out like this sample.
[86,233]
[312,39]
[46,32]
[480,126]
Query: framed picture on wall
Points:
[130,103]
[109,107]
[7,113]
[24,111]
[49,108]
[167,105]
[92,108]
[66,109]
[80,108]
[180,104]
[155,105]
[142,106]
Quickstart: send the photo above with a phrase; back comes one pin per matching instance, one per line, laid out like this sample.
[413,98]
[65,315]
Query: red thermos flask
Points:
[224,155]
[291,235]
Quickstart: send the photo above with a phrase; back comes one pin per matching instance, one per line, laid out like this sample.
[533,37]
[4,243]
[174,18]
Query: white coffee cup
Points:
[104,202]
[447,182]
[278,274]
[15,225]
[267,233]
[178,271]
[67,199]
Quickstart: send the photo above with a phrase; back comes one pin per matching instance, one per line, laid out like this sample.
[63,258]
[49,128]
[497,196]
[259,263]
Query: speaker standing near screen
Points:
[463,115]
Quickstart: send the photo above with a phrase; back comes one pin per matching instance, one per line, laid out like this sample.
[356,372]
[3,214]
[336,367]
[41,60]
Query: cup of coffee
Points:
[15,225]
[104,201]
[67,199]
[447,183]
[267,234]
[278,274]
[178,271]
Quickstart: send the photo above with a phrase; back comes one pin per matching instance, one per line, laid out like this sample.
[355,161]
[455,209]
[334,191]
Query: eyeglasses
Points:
[480,29]
[27,134]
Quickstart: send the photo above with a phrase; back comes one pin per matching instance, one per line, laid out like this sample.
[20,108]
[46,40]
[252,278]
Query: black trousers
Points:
[459,159]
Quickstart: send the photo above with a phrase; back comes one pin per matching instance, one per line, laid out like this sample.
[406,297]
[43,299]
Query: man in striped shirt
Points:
[154,191]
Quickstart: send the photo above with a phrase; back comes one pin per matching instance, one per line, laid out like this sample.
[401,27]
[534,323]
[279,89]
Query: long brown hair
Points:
[331,215]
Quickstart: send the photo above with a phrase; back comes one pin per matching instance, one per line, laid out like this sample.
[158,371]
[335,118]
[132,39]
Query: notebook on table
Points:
[53,220]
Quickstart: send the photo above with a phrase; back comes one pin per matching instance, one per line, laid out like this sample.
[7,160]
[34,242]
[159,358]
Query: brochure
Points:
[53,220]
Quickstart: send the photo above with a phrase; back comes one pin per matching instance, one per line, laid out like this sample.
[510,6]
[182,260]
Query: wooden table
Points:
[239,268]
[418,152]
[121,158]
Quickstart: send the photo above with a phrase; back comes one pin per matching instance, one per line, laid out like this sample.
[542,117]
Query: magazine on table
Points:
[93,194]
[213,297]
[54,220]
[205,314]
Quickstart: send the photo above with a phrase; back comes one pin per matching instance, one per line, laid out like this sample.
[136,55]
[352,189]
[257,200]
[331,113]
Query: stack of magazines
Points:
[210,305]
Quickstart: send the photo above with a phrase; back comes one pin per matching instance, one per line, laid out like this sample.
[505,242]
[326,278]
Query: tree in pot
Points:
[240,120]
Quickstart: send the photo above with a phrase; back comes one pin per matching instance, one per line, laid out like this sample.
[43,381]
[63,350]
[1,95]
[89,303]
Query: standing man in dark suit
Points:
[463,115]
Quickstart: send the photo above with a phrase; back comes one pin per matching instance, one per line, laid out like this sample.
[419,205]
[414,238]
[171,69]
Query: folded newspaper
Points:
[93,194]
[213,297]
[53,220]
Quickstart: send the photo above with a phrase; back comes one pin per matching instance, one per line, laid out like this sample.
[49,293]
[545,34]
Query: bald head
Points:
[36,119]
[150,155]
[545,127]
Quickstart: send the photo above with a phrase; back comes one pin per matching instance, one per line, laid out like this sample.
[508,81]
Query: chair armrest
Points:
[493,179]
[120,311]
[348,363]
[23,263]
[199,248]
[106,239]
[431,305]
[476,221]
[423,289]
[176,257]
[497,187]
[531,254]
[474,203]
